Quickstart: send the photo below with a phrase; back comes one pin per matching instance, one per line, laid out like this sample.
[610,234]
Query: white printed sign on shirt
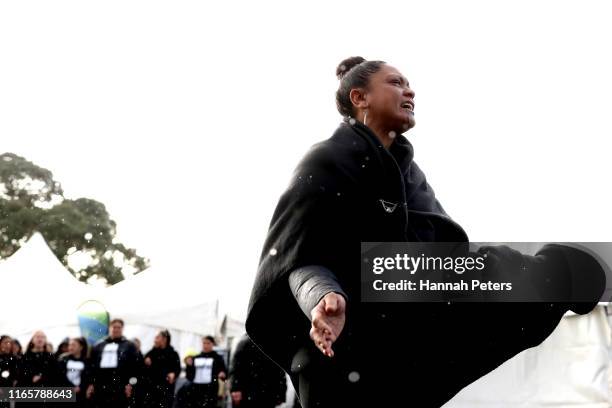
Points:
[110,356]
[203,368]
[74,369]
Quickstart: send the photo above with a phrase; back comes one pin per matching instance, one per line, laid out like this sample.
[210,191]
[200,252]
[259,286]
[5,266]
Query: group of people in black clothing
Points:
[114,373]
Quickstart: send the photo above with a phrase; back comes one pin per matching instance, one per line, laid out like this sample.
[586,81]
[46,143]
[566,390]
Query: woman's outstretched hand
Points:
[328,318]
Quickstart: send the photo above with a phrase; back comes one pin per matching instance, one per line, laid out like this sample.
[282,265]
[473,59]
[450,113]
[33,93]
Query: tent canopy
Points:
[39,293]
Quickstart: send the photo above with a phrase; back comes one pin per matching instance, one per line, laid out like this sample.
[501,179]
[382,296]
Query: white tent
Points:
[152,300]
[39,293]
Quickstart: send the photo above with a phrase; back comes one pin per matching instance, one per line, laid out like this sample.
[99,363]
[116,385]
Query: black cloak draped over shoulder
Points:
[349,189]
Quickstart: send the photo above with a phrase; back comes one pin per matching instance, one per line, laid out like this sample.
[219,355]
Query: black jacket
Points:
[163,362]
[350,189]
[218,365]
[347,189]
[260,380]
[8,370]
[129,362]
[39,363]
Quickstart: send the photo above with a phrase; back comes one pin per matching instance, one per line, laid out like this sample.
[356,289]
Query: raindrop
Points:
[392,134]
[133,381]
[353,376]
[352,121]
[366,260]
[88,236]
[273,252]
[5,374]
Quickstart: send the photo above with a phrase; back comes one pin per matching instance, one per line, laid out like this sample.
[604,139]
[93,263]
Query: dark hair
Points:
[211,339]
[116,321]
[84,346]
[353,72]
[15,341]
[64,342]
[166,334]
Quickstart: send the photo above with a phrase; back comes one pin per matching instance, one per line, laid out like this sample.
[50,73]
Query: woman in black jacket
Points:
[8,365]
[204,371]
[162,367]
[256,382]
[362,185]
[71,369]
[37,368]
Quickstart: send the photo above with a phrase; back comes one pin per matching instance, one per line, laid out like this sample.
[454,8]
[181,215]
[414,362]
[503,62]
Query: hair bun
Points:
[346,65]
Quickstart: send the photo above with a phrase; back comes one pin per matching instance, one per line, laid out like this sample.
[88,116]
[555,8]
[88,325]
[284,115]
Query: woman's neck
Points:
[385,136]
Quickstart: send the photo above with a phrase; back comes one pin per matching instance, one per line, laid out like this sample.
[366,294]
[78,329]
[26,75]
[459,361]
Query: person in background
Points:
[17,349]
[137,389]
[37,368]
[71,368]
[183,397]
[137,343]
[204,371]
[256,381]
[62,348]
[162,366]
[8,365]
[113,370]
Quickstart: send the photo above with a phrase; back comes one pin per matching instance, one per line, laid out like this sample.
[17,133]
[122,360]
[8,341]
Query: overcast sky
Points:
[186,118]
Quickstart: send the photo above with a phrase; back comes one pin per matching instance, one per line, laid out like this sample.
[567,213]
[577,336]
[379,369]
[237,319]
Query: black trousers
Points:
[158,395]
[418,355]
[106,395]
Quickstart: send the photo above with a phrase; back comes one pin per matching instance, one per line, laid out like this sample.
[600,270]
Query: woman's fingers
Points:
[322,336]
[327,322]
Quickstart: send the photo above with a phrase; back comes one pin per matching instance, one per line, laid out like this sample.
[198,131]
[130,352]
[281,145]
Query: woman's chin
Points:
[407,125]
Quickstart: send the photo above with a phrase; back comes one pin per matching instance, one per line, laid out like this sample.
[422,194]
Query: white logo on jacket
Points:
[388,206]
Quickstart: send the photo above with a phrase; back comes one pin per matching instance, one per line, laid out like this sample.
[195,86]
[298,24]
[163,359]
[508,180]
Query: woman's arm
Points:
[309,284]
[322,299]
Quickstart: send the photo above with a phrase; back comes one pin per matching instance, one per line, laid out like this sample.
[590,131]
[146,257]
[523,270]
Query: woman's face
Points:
[207,345]
[74,348]
[39,340]
[390,100]
[160,341]
[6,346]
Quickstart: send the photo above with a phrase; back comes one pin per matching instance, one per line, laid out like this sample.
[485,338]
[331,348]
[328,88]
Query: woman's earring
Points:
[365,116]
